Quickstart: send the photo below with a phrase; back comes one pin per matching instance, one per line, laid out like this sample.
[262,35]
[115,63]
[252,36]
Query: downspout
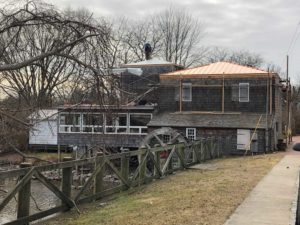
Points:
[180,94]
[267,106]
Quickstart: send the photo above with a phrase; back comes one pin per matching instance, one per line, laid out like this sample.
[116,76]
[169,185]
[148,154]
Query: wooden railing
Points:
[153,163]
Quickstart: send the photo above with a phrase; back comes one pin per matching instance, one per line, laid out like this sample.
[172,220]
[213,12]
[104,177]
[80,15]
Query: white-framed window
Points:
[186,92]
[191,133]
[92,122]
[110,123]
[138,122]
[243,92]
[116,123]
[70,122]
[166,138]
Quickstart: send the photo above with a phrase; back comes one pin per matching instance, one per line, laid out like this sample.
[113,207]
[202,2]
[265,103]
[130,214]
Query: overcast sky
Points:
[261,26]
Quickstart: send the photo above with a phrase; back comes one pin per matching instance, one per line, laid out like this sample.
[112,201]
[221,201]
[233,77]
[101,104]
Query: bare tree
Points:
[138,33]
[275,69]
[242,57]
[39,48]
[44,54]
[34,14]
[174,34]
[181,36]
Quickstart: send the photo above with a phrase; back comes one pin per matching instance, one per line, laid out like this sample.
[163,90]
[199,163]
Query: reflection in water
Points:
[42,199]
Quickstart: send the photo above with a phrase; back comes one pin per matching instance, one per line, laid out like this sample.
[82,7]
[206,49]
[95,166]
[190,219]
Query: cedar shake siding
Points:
[210,98]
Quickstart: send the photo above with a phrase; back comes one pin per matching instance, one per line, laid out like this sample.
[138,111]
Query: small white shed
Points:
[44,130]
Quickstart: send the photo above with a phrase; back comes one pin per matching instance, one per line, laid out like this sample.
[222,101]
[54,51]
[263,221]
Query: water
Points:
[42,199]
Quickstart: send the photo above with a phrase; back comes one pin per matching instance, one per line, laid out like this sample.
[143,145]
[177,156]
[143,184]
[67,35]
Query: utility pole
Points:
[288,130]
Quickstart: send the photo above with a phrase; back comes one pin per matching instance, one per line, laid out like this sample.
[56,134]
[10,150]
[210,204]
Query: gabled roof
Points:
[219,68]
[150,62]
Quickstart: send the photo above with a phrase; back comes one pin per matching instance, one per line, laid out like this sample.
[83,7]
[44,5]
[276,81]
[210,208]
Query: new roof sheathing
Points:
[218,69]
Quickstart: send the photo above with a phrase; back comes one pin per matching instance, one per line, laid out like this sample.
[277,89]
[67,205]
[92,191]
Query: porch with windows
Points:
[104,123]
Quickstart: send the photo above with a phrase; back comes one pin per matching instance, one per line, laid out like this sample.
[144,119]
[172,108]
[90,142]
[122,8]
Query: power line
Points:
[295,42]
[294,38]
[292,43]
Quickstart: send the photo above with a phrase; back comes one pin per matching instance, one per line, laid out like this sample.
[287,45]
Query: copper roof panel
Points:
[219,68]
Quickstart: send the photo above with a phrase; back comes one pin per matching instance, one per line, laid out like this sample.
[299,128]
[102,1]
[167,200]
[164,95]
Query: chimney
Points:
[148,51]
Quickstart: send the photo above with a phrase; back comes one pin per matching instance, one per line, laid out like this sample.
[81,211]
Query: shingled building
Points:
[223,100]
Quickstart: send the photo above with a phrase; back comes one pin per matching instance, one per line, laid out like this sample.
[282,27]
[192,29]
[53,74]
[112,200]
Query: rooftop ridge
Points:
[216,68]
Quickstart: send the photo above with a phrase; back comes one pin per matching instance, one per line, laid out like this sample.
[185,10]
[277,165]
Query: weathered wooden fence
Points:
[153,164]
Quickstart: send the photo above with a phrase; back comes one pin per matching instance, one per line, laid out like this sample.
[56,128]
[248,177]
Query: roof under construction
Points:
[225,69]
[151,62]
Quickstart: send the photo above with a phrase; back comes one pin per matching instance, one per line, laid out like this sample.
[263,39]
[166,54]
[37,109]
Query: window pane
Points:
[87,129]
[139,120]
[244,92]
[191,133]
[62,119]
[87,119]
[166,138]
[121,130]
[122,120]
[98,129]
[93,119]
[64,129]
[70,119]
[75,129]
[110,120]
[134,130]
[116,120]
[76,119]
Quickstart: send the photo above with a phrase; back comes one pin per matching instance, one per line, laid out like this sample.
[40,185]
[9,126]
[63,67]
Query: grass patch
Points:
[189,197]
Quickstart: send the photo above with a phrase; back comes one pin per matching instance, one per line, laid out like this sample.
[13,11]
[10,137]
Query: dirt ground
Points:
[11,157]
[16,159]
[193,196]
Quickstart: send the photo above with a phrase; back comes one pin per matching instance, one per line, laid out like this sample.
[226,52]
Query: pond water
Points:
[41,199]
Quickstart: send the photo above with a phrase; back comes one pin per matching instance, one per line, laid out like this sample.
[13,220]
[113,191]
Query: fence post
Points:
[99,176]
[181,151]
[170,165]
[142,171]
[157,159]
[219,146]
[205,144]
[194,152]
[66,183]
[201,147]
[24,196]
[212,148]
[125,163]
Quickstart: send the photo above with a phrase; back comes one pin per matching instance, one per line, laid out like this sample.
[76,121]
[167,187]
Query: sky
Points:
[266,27]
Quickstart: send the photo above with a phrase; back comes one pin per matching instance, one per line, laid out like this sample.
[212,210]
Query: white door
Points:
[243,139]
